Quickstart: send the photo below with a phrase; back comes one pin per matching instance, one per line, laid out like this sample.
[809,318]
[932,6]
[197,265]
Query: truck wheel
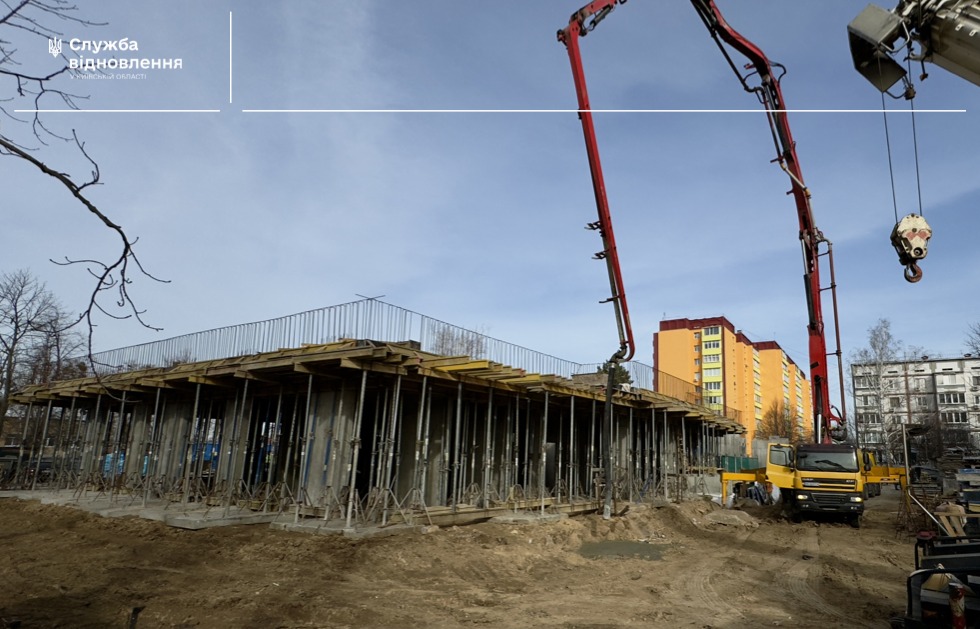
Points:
[854,521]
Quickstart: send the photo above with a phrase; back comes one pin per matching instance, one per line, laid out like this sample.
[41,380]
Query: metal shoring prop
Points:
[456,447]
[572,485]
[231,487]
[504,481]
[590,477]
[416,472]
[542,464]
[272,444]
[116,434]
[309,426]
[355,443]
[97,432]
[487,450]
[190,442]
[329,453]
[64,443]
[151,450]
[389,460]
[526,450]
[40,454]
[425,448]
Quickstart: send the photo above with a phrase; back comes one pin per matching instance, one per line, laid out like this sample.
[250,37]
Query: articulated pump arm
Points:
[580,24]
[827,425]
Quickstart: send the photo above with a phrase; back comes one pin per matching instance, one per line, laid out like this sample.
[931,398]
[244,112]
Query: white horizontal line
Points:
[118,111]
[597,111]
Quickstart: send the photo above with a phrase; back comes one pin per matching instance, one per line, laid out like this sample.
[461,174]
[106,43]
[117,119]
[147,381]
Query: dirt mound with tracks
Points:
[687,565]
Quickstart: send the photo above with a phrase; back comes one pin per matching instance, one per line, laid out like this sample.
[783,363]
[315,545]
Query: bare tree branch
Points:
[114,277]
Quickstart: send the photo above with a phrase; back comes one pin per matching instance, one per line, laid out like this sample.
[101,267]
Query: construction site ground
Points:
[686,565]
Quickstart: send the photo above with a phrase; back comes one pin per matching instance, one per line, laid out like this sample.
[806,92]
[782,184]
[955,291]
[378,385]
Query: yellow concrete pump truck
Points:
[811,478]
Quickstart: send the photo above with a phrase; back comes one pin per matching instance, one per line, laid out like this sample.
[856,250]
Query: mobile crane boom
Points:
[828,425]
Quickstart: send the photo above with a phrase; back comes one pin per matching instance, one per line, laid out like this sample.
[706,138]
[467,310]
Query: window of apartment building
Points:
[713,399]
[922,401]
[946,378]
[952,398]
[868,400]
[712,371]
[976,399]
[697,348]
[697,361]
[953,417]
[713,330]
[712,358]
[860,381]
[697,377]
[758,399]
[712,386]
[697,336]
[976,381]
[894,402]
[869,418]
[712,344]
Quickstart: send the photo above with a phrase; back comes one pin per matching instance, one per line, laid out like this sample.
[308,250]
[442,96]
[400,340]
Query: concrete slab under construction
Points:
[359,434]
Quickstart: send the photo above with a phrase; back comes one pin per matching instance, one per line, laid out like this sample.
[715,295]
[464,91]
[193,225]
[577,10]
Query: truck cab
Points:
[825,478]
[812,478]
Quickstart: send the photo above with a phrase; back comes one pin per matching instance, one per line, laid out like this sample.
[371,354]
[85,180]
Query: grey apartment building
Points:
[941,393]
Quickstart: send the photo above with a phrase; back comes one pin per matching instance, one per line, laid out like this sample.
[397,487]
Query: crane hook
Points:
[913,273]
[910,237]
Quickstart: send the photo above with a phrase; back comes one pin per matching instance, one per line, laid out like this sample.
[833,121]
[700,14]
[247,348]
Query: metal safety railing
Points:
[379,321]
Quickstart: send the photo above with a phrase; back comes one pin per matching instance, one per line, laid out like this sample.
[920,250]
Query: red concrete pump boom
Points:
[581,22]
[829,424]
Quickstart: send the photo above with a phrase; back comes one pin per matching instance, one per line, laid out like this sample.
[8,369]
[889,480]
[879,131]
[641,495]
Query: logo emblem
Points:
[54,46]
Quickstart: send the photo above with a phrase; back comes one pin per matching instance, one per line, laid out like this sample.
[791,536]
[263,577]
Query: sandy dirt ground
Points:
[671,566]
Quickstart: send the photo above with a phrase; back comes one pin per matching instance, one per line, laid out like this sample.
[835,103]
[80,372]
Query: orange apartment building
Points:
[733,371]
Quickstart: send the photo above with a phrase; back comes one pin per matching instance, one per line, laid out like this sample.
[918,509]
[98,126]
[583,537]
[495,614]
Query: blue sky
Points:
[477,218]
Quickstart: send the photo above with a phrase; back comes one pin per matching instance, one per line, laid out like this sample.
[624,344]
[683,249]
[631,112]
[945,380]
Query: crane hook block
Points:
[911,241]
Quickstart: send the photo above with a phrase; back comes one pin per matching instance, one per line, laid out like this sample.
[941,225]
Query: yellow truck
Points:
[876,474]
[812,478]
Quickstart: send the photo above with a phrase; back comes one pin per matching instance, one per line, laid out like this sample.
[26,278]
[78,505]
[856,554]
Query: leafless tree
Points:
[779,421]
[26,306]
[890,395]
[27,86]
[452,341]
[973,339]
[54,354]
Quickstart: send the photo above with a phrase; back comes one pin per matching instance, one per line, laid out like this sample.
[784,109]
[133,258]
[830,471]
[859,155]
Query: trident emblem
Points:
[54,46]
